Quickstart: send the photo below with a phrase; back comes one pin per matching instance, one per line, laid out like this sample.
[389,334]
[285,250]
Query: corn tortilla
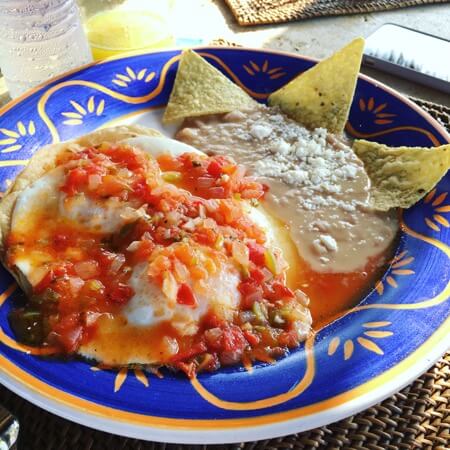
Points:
[201,89]
[321,96]
[44,160]
[401,176]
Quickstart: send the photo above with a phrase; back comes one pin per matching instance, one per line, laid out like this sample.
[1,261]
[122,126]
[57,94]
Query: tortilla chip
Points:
[321,96]
[401,176]
[201,89]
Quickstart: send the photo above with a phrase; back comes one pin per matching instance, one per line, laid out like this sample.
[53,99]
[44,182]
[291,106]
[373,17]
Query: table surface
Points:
[211,19]
[315,37]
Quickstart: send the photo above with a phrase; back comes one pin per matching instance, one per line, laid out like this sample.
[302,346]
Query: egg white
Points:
[123,339]
[149,307]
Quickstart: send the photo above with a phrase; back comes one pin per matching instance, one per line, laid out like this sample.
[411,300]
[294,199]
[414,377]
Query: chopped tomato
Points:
[75,180]
[194,350]
[257,275]
[120,293]
[281,291]
[251,293]
[214,169]
[185,296]
[143,252]
[69,332]
[51,276]
[206,236]
[60,241]
[44,283]
[256,253]
[142,190]
[233,339]
[252,338]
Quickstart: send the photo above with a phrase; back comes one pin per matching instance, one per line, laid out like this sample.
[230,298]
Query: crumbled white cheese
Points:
[325,244]
[329,242]
[319,247]
[260,131]
[312,162]
[280,146]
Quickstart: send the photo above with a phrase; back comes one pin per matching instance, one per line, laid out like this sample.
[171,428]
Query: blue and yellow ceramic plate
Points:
[392,336]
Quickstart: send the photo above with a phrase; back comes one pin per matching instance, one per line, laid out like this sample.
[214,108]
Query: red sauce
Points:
[86,282]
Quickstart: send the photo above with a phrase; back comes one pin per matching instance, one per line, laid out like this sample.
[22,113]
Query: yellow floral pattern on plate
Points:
[399,268]
[130,75]
[437,218]
[381,117]
[253,69]
[372,330]
[122,375]
[10,140]
[79,113]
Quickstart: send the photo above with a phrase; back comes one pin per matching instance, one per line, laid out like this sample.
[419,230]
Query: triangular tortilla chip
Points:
[401,176]
[321,96]
[201,89]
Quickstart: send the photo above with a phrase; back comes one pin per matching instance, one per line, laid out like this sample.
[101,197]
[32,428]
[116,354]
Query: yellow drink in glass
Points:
[120,30]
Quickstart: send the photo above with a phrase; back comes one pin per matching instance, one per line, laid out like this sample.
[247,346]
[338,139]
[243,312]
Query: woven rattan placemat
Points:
[418,417]
[258,12]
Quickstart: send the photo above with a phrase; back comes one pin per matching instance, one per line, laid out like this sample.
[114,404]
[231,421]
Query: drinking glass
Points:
[39,39]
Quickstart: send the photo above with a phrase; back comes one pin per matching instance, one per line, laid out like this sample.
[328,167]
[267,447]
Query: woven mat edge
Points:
[251,12]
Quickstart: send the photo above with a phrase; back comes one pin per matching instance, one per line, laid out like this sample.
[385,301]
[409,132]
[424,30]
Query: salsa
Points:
[185,218]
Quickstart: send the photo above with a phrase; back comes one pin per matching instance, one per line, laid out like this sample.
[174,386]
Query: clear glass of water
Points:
[39,39]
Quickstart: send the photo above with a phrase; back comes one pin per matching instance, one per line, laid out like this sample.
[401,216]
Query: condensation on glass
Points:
[39,39]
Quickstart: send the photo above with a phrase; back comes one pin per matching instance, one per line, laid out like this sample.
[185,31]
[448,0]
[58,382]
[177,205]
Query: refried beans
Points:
[317,185]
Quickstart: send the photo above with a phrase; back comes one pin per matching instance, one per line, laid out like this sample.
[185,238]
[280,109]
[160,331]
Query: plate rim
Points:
[184,434]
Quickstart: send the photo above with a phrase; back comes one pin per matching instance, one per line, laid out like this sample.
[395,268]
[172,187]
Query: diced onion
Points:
[181,271]
[246,316]
[133,246]
[217,191]
[170,345]
[268,275]
[219,242]
[212,205]
[173,217]
[209,223]
[124,173]
[240,253]
[170,286]
[205,182]
[301,297]
[75,284]
[117,263]
[189,225]
[130,214]
[147,236]
[91,318]
[238,174]
[302,328]
[94,181]
[86,269]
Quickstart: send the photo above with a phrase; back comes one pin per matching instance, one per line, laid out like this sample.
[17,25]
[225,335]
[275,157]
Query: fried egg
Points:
[149,316]
[153,317]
